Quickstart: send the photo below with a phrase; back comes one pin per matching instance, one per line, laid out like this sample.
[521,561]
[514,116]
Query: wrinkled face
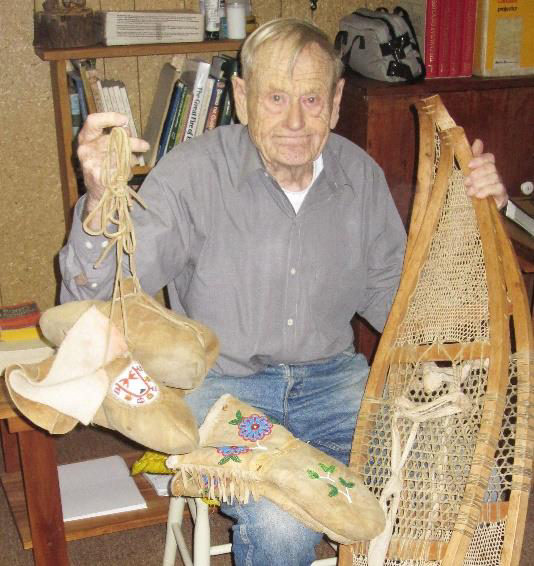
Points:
[289,114]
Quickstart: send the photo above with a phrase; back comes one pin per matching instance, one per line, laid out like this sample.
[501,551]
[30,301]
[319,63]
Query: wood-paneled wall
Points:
[33,229]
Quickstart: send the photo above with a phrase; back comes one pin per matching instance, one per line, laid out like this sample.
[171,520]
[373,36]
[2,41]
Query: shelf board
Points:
[96,51]
[155,513]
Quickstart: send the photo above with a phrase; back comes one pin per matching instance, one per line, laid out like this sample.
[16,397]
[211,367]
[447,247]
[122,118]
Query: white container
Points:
[236,19]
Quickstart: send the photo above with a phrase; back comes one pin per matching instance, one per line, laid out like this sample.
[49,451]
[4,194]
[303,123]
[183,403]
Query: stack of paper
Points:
[97,487]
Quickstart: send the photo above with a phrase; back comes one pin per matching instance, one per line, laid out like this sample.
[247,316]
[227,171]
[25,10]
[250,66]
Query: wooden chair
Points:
[202,549]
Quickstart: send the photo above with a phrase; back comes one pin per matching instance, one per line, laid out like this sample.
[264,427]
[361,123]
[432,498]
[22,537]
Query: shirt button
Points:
[290,322]
[104,244]
[94,285]
[89,245]
[292,271]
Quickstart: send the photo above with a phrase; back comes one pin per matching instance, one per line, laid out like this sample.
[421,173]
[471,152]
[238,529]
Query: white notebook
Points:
[97,487]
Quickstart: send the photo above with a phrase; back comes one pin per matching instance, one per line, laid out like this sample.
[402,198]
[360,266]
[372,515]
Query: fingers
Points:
[484,179]
[93,141]
[477,148]
[95,124]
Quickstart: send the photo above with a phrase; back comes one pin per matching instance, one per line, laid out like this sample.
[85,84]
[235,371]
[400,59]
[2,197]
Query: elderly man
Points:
[273,232]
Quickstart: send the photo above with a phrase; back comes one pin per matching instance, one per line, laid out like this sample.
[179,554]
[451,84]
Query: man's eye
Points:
[276,98]
[311,99]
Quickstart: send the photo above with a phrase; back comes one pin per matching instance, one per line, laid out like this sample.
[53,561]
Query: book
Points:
[84,66]
[131,122]
[184,112]
[226,114]
[76,81]
[215,104]
[178,115]
[97,487]
[194,75]
[206,97]
[160,483]
[468,37]
[106,96]
[169,74]
[504,38]
[444,25]
[522,213]
[135,27]
[455,37]
[19,322]
[19,315]
[432,38]
[169,119]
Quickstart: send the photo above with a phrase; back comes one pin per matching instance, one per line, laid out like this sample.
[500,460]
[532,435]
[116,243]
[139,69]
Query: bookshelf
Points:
[58,71]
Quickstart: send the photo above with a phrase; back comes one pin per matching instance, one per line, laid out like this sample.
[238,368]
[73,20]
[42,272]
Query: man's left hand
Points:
[484,179]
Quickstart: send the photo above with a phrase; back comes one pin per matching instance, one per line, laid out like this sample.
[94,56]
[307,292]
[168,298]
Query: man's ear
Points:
[336,102]
[240,99]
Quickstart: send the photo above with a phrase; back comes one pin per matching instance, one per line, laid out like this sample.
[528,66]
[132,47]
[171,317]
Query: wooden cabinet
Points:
[380,118]
[58,69]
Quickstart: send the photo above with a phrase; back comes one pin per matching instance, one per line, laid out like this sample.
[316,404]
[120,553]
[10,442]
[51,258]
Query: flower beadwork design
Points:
[253,428]
[334,490]
[231,453]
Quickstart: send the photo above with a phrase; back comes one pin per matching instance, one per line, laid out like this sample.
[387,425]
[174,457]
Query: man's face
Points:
[289,114]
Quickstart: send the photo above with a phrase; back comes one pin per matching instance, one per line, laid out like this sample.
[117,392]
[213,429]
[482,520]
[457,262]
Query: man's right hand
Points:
[93,141]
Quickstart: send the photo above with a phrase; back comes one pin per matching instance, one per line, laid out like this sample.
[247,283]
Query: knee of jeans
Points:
[270,527]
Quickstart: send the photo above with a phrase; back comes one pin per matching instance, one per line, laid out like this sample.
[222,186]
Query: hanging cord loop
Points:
[114,213]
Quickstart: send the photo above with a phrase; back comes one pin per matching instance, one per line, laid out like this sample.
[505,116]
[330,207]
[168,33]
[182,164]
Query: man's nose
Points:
[295,116]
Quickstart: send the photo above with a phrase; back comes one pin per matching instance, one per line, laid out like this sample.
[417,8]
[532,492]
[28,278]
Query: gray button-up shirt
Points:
[275,286]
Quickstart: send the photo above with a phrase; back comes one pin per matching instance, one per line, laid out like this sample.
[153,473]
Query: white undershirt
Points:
[296,198]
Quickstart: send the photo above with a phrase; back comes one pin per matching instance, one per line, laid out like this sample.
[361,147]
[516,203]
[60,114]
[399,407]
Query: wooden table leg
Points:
[10,448]
[43,500]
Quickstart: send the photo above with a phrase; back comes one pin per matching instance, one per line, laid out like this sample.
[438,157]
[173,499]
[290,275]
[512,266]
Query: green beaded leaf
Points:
[333,491]
[238,418]
[313,475]
[327,469]
[346,483]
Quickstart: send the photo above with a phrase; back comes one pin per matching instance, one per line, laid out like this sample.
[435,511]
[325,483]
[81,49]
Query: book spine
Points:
[455,42]
[468,37]
[206,97]
[432,38]
[78,85]
[183,116]
[198,89]
[126,28]
[444,37]
[167,125]
[176,118]
[19,316]
[97,94]
[106,107]
[131,121]
[215,105]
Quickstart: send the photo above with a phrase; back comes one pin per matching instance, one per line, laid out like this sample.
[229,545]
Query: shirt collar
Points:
[251,163]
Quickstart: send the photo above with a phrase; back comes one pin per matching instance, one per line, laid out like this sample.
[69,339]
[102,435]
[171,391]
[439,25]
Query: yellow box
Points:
[504,40]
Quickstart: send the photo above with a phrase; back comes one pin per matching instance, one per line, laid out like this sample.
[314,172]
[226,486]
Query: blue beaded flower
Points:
[231,453]
[254,428]
[229,450]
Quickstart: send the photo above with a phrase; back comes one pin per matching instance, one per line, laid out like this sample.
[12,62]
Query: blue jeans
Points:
[317,403]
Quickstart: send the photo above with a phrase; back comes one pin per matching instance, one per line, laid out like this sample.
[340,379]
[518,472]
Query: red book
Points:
[455,37]
[431,38]
[468,37]
[444,37]
[22,315]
